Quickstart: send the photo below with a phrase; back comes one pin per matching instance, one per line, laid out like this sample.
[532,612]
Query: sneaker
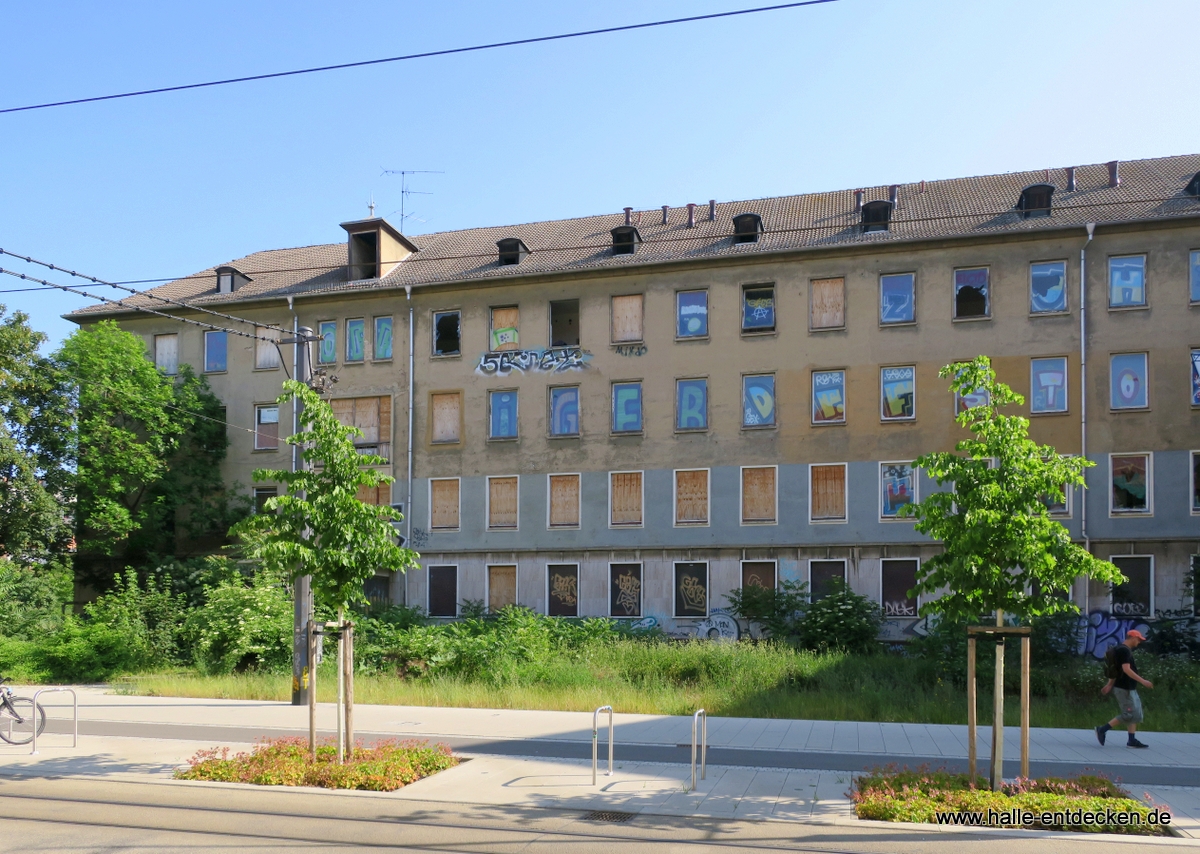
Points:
[1101,733]
[1133,742]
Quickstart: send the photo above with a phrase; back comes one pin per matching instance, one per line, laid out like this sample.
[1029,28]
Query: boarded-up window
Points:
[828,492]
[372,415]
[828,308]
[378,495]
[691,589]
[691,497]
[758,494]
[446,416]
[166,353]
[505,333]
[824,576]
[502,587]
[502,502]
[627,318]
[758,573]
[625,497]
[625,590]
[562,588]
[443,591]
[564,501]
[899,577]
[266,353]
[443,504]
[1134,598]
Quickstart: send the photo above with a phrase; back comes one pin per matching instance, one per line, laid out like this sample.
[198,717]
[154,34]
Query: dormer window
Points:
[364,255]
[229,279]
[512,250]
[1035,200]
[625,239]
[374,248]
[1193,187]
[876,216]
[747,227]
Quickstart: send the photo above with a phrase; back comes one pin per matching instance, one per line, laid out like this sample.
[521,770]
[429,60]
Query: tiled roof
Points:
[955,208]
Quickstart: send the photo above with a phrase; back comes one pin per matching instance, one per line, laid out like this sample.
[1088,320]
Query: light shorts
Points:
[1131,705]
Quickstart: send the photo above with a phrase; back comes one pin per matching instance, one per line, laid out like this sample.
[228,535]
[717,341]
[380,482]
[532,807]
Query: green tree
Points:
[1002,551]
[320,527]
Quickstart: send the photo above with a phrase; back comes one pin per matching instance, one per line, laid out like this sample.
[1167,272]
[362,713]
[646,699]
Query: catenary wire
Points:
[423,55]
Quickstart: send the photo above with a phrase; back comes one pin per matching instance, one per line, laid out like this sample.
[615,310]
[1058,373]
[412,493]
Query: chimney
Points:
[1047,178]
[629,216]
[922,185]
[858,197]
[1070,179]
[691,215]
[893,193]
[1114,173]
[712,210]
[665,208]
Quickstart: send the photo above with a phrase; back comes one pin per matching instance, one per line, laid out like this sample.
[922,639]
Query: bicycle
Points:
[17,716]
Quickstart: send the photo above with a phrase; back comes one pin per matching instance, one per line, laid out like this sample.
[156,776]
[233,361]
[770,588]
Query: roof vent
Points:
[858,197]
[1193,187]
[629,216]
[1114,173]
[1035,200]
[712,210]
[876,216]
[625,240]
[691,215]
[894,194]
[665,209]
[1070,179]
[229,279]
[747,227]
[512,250]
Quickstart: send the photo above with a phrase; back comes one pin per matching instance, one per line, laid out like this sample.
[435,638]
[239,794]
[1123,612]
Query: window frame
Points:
[346,327]
[707,315]
[461,420]
[1194,277]
[261,332]
[845,519]
[516,417]
[1066,363]
[578,585]
[1145,303]
[429,590]
[742,569]
[916,481]
[883,417]
[808,570]
[491,330]
[901,323]
[257,408]
[375,357]
[812,292]
[707,419]
[1113,513]
[267,491]
[161,337]
[222,332]
[752,331]
[1112,588]
[550,434]
[433,529]
[1193,376]
[641,500]
[612,317]
[675,523]
[812,397]
[433,334]
[774,425]
[1066,289]
[612,416]
[641,608]
[675,564]
[550,345]
[487,506]
[883,604]
[1193,482]
[550,526]
[774,520]
[987,315]
[1145,354]
[321,325]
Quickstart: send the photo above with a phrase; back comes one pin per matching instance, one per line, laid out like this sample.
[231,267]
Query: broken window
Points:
[625,590]
[824,576]
[625,498]
[827,492]
[501,587]
[266,352]
[502,503]
[899,577]
[828,304]
[445,333]
[1131,479]
[216,351]
[502,421]
[504,334]
[758,308]
[266,427]
[758,495]
[897,298]
[627,319]
[327,349]
[691,589]
[166,353]
[564,501]
[564,323]
[443,591]
[1048,287]
[971,297]
[443,504]
[446,417]
[691,497]
[1134,598]
[1127,281]
[691,314]
[562,588]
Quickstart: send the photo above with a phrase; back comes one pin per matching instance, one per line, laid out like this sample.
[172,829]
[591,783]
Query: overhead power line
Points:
[424,55]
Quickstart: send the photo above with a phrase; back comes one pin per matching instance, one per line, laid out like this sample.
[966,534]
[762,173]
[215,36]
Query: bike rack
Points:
[595,738]
[75,697]
[700,713]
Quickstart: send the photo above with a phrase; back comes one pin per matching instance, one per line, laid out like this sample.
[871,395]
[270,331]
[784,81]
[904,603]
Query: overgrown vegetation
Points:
[383,767]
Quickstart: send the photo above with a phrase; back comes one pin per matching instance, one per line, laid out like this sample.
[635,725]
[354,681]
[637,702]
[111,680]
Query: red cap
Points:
[1135,634]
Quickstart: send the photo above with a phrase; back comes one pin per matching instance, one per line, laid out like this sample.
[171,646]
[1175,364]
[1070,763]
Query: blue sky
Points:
[852,93]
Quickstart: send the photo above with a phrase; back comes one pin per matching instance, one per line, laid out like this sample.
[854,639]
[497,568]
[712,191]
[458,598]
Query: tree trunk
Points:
[997,772]
[341,698]
[348,666]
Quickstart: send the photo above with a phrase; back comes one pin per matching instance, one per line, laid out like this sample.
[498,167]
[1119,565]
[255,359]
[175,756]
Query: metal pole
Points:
[595,740]
[302,589]
[997,774]
[972,709]
[311,675]
[702,717]
[341,698]
[1025,706]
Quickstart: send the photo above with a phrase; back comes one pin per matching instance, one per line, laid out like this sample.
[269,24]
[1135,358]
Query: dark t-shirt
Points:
[1123,655]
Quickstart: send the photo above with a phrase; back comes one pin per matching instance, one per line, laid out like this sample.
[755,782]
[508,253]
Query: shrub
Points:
[778,610]
[841,620]
[242,626]
[32,598]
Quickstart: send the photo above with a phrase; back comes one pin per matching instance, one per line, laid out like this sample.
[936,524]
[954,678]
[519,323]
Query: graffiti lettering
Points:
[693,593]
[554,360]
[564,588]
[899,609]
[629,595]
[632,350]
[1099,630]
[719,626]
[420,538]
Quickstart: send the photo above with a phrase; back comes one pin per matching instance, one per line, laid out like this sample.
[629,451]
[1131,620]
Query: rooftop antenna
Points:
[371,206]
[404,191]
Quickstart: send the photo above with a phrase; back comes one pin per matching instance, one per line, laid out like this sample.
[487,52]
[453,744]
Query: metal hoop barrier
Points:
[700,713]
[75,698]
[595,739]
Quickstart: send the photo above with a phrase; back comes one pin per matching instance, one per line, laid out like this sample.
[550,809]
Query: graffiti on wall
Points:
[1100,630]
[631,350]
[550,361]
[720,625]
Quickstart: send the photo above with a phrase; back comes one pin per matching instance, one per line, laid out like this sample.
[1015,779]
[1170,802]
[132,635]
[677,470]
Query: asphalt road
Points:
[80,815]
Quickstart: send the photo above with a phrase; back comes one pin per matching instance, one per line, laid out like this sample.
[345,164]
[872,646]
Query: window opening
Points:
[758,400]
[625,498]
[1195,377]
[262,494]
[758,308]
[758,495]
[1194,275]
[747,227]
[876,216]
[327,350]
[899,578]
[371,415]
[1048,385]
[224,283]
[446,410]
[1134,598]
[823,578]
[356,345]
[898,393]
[828,492]
[691,497]
[625,590]
[758,573]
[1035,200]
[691,314]
[971,293]
[378,590]
[564,323]
[897,298]
[166,353]
[216,351]
[691,404]
[897,488]
[1127,281]
[564,411]
[1127,375]
[625,239]
[564,501]
[502,503]
[511,251]
[446,333]
[503,421]
[266,353]
[501,587]
[1193,187]
[1195,483]
[627,315]
[562,590]
[829,397]
[444,504]
[1048,287]
[364,255]
[627,407]
[443,591]
[383,338]
[827,309]
[505,323]
[266,428]
[1131,483]
[691,589]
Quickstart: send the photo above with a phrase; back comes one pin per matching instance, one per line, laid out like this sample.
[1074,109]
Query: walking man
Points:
[1123,681]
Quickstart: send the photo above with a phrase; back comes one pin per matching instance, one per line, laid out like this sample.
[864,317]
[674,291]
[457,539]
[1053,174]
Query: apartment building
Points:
[630,415]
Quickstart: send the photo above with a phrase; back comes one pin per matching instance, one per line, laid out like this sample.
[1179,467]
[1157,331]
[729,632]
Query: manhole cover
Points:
[608,815]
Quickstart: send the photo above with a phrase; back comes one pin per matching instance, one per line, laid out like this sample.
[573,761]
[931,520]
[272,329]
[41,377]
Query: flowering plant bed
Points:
[385,767]
[1085,803]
